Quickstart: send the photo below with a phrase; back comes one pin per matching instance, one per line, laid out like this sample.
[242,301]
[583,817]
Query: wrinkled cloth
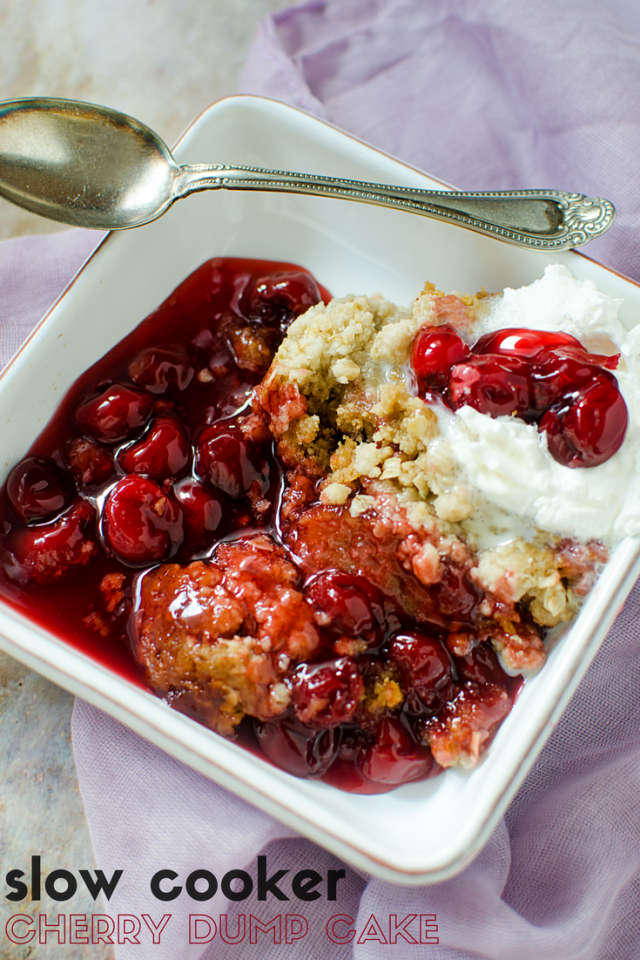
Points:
[485,94]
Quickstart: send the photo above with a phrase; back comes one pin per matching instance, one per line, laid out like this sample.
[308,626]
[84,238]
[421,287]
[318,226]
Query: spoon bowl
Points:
[82,164]
[91,166]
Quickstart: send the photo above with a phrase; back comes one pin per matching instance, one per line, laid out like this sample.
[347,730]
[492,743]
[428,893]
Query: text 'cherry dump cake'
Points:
[338,529]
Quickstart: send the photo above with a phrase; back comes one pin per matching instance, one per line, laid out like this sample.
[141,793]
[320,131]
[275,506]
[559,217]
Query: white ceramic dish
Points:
[423,832]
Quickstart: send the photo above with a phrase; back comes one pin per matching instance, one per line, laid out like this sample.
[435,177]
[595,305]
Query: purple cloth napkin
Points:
[486,94]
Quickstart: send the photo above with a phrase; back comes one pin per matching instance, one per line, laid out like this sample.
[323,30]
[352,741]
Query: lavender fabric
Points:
[33,272]
[485,94]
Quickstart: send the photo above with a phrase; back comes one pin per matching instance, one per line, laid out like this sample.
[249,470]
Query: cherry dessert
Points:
[545,378]
[157,526]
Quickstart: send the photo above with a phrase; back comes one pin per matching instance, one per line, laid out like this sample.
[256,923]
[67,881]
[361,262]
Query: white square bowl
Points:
[422,832]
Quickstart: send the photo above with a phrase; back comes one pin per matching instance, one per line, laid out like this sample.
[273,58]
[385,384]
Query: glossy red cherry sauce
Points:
[541,377]
[155,455]
[128,432]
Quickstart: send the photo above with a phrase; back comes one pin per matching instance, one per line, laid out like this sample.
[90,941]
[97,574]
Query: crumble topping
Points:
[340,403]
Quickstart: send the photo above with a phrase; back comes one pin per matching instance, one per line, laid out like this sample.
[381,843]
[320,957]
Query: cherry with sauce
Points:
[162,369]
[326,694]
[226,460]
[556,378]
[538,345]
[481,665]
[90,464]
[38,490]
[496,385]
[547,378]
[348,605]
[456,593]
[434,352]
[141,524]
[590,428]
[394,757]
[115,414]
[201,508]
[164,451]
[46,553]
[294,747]
[425,669]
[279,297]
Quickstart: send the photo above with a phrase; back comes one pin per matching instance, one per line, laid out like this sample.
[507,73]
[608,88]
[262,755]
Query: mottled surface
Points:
[41,811]
[162,61]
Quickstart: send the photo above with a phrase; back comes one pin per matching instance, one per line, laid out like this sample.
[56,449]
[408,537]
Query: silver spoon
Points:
[94,167]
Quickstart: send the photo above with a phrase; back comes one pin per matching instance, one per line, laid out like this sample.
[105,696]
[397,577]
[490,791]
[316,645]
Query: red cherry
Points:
[282,296]
[349,605]
[425,668]
[48,552]
[326,694]
[394,757]
[495,385]
[37,489]
[163,452]
[141,524]
[589,428]
[537,344]
[555,377]
[582,411]
[525,343]
[160,369]
[433,353]
[456,593]
[116,413]
[297,749]
[201,508]
[224,459]
[90,464]
[481,665]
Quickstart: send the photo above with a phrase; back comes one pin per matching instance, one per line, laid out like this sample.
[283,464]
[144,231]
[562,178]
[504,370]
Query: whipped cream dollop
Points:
[506,461]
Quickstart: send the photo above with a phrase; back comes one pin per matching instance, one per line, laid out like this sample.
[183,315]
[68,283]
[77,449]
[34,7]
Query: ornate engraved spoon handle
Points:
[542,219]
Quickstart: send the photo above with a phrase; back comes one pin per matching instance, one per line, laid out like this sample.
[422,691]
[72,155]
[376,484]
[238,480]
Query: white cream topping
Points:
[559,302]
[507,461]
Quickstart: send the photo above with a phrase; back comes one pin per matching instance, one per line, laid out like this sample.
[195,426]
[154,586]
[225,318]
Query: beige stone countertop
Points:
[163,62]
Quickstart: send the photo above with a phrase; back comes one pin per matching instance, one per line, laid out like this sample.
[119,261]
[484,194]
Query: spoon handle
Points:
[542,219]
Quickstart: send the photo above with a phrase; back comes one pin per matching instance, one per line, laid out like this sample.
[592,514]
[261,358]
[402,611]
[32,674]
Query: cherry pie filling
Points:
[162,524]
[546,378]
